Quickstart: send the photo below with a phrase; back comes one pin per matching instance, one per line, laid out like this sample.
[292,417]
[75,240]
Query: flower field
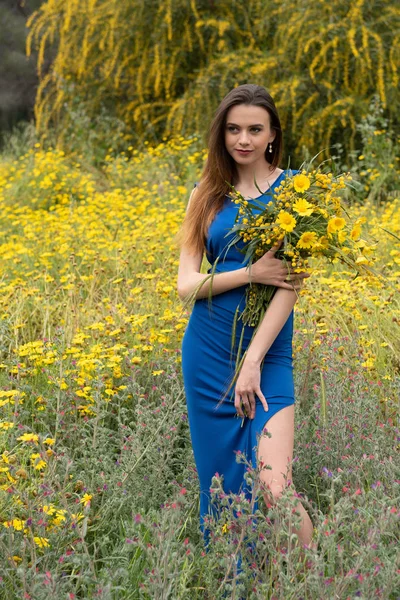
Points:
[98,488]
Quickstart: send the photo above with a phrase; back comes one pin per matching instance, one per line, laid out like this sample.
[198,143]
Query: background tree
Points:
[162,67]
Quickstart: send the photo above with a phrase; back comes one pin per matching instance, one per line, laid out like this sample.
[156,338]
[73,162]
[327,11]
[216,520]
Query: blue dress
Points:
[207,369]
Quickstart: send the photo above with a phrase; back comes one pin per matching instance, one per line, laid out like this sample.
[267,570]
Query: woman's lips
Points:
[243,151]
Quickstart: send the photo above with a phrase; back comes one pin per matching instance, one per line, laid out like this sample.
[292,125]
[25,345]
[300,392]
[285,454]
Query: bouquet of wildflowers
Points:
[307,213]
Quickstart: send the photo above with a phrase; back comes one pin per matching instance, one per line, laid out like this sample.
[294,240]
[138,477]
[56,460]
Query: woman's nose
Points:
[243,139]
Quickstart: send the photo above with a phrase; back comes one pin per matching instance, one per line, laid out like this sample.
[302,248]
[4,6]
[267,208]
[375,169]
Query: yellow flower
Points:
[110,392]
[6,425]
[77,517]
[28,437]
[37,464]
[369,363]
[286,221]
[303,207]
[361,244]
[16,523]
[335,224]
[301,183]
[58,520]
[49,441]
[42,542]
[86,498]
[322,243]
[323,212]
[355,232]
[361,260]
[307,239]
[49,509]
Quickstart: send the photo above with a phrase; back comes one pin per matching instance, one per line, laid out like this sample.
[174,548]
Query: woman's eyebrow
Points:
[255,125]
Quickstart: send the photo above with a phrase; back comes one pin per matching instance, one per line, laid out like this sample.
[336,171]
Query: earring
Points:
[270,147]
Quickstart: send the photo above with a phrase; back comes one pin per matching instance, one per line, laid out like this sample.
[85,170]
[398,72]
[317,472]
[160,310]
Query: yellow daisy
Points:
[335,224]
[18,524]
[28,437]
[301,183]
[307,239]
[86,498]
[355,232]
[303,207]
[321,244]
[286,221]
[42,542]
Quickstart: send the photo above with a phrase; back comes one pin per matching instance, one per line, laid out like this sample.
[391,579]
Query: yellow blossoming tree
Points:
[162,66]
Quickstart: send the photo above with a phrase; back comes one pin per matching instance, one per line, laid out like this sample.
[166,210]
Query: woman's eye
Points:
[253,129]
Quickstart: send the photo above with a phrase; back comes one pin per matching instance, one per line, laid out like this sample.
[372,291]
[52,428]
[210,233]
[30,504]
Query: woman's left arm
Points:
[248,382]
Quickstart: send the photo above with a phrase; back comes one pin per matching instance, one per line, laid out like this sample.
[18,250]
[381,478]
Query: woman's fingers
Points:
[252,405]
[242,401]
[262,399]
[275,248]
[238,405]
[247,401]
[246,404]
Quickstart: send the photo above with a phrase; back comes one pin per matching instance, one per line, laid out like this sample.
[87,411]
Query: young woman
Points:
[244,143]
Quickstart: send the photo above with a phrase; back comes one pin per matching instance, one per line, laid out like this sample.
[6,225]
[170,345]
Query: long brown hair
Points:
[208,197]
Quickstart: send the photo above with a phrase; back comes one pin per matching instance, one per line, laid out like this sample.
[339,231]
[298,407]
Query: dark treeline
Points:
[18,79]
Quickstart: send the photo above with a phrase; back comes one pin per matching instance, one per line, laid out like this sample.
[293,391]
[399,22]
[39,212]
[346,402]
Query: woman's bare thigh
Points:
[277,450]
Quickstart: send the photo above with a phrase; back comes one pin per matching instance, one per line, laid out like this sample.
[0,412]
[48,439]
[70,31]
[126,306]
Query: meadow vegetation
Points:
[98,487]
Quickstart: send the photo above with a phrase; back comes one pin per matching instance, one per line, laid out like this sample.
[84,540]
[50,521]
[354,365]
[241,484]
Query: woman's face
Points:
[248,128]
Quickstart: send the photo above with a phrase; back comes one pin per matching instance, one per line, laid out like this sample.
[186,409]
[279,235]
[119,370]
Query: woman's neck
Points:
[263,174]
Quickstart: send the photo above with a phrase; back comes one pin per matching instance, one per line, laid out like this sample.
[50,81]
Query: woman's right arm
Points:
[189,277]
[267,270]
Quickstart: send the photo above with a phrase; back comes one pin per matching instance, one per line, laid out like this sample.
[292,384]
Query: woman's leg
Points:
[277,452]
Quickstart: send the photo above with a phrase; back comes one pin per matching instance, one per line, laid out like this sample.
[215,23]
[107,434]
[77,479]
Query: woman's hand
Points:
[273,271]
[247,385]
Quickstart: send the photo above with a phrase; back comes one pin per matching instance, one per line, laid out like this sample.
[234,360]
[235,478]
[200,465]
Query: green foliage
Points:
[375,166]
